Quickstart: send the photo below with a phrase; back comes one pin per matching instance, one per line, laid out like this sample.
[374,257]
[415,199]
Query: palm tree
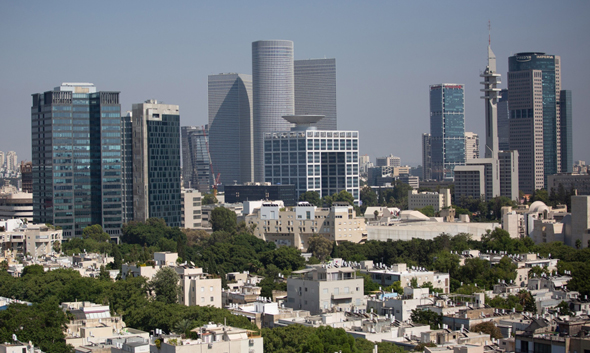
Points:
[183,326]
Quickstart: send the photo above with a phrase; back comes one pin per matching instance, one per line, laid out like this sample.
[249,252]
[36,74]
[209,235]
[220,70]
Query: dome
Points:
[538,207]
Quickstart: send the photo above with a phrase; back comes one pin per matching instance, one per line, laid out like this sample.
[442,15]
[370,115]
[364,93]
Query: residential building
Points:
[538,131]
[580,167]
[90,323]
[471,145]
[15,204]
[312,160]
[426,157]
[11,161]
[261,191]
[273,93]
[213,338]
[569,181]
[74,129]
[387,275]
[293,226]
[438,200]
[365,163]
[2,159]
[26,172]
[321,288]
[196,166]
[191,208]
[34,239]
[315,90]
[389,161]
[156,162]
[231,127]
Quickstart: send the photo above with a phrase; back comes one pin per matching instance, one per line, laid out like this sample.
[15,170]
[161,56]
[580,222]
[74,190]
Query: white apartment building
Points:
[438,200]
[323,287]
[33,239]
[191,208]
[293,226]
[387,275]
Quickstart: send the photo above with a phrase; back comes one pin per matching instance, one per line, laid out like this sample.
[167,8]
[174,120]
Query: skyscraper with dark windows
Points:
[76,155]
[565,120]
[447,129]
[156,162]
[273,93]
[315,90]
[231,127]
[503,122]
[196,169]
[534,93]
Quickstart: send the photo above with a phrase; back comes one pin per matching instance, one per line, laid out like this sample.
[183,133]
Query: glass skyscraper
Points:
[565,111]
[77,163]
[231,127]
[156,162]
[447,129]
[273,93]
[196,169]
[315,90]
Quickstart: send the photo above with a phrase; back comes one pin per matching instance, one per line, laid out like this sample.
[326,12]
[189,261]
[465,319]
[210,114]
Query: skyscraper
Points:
[471,145]
[231,127]
[315,90]
[156,162]
[426,157]
[273,93]
[447,129]
[76,150]
[11,161]
[534,84]
[196,170]
[565,121]
[503,122]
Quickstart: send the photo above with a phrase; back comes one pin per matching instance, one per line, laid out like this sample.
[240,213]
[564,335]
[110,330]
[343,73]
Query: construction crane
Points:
[215,179]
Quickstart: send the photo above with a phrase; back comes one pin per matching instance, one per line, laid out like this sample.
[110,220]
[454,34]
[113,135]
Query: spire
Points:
[491,56]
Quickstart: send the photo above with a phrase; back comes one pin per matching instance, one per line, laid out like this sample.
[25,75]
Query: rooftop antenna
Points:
[489,32]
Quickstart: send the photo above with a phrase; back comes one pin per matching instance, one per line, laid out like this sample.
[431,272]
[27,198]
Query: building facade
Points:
[76,155]
[315,90]
[231,127]
[503,121]
[438,200]
[191,208]
[156,162]
[447,129]
[471,145]
[273,93]
[313,160]
[261,191]
[196,167]
[426,157]
[389,161]
[566,132]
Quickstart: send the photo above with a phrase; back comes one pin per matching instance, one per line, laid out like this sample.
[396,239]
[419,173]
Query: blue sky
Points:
[387,54]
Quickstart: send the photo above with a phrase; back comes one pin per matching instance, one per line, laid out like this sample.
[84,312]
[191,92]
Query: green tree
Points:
[343,196]
[368,196]
[96,233]
[488,327]
[564,308]
[223,219]
[427,317]
[209,199]
[395,287]
[313,197]
[319,246]
[427,211]
[33,270]
[165,285]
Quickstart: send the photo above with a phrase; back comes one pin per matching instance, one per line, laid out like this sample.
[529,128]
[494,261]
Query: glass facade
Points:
[77,162]
[315,90]
[565,112]
[447,129]
[313,160]
[196,170]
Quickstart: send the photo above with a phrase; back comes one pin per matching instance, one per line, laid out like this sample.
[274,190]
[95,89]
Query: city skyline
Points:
[371,53]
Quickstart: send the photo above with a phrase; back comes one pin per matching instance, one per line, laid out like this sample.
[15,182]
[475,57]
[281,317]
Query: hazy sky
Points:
[387,54]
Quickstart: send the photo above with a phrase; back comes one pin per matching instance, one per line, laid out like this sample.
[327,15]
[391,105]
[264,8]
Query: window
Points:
[212,299]
[211,289]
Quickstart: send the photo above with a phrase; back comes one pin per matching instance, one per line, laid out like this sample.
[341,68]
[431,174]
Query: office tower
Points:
[509,174]
[127,166]
[447,129]
[389,161]
[503,122]
[534,84]
[315,90]
[471,145]
[311,159]
[196,167]
[76,150]
[26,174]
[426,157]
[273,93]
[11,161]
[156,162]
[230,127]
[565,111]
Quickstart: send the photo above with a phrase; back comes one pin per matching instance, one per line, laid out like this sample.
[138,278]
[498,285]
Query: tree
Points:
[376,214]
[578,243]
[223,219]
[487,327]
[96,233]
[319,246]
[117,258]
[368,196]
[564,309]
[395,287]
[165,285]
[313,197]
[427,317]
[33,270]
[427,211]
[56,246]
[343,196]
[209,199]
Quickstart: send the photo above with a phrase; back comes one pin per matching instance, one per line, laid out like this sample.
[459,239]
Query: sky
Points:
[387,54]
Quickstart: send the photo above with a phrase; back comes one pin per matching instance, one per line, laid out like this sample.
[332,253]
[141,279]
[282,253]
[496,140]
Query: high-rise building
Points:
[471,145]
[273,93]
[196,168]
[565,111]
[230,127]
[534,85]
[426,157]
[127,166]
[26,173]
[2,159]
[389,161]
[311,159]
[76,150]
[156,162]
[447,129]
[315,90]
[503,122]
[11,161]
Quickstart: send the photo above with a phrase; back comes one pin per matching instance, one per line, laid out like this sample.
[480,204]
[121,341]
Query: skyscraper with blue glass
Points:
[76,152]
[447,129]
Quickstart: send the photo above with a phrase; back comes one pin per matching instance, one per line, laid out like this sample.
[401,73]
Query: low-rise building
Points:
[33,239]
[438,200]
[387,275]
[320,288]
